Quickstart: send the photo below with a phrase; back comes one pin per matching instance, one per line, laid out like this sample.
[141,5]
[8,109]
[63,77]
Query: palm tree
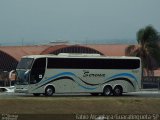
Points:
[147,49]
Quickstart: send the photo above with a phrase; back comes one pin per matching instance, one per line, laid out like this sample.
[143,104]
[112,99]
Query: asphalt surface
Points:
[140,94]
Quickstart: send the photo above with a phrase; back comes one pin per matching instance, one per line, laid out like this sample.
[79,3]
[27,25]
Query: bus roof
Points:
[79,56]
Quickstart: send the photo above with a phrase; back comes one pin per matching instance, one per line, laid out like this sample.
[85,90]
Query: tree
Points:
[147,49]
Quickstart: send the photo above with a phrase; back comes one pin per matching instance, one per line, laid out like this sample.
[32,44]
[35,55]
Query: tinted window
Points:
[39,63]
[38,70]
[88,63]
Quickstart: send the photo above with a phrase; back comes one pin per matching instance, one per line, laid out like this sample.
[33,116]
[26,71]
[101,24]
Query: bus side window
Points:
[38,70]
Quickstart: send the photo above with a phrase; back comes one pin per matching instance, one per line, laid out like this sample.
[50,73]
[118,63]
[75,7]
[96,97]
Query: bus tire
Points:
[118,90]
[107,91]
[49,91]
[36,94]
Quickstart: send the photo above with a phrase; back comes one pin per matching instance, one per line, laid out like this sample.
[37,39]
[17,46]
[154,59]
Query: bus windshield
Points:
[25,63]
[22,77]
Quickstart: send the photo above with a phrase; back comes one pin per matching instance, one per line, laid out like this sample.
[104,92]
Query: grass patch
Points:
[80,105]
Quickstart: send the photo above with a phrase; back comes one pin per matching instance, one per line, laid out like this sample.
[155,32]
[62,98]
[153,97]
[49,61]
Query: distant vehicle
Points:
[7,89]
[78,73]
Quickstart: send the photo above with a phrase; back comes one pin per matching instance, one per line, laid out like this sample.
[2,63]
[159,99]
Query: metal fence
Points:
[152,82]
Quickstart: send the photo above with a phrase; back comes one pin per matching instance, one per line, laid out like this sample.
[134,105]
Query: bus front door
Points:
[38,70]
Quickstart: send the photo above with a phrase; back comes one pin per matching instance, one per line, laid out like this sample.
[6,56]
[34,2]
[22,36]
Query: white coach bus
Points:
[78,73]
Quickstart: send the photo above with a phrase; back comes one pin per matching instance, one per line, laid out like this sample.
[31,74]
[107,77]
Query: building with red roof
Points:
[10,55]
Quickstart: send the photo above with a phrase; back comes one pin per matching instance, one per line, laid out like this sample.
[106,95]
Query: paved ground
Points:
[140,94]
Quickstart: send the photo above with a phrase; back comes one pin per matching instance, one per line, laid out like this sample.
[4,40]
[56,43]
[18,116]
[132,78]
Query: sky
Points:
[41,21]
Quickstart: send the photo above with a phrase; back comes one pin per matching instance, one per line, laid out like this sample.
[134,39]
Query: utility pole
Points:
[22,41]
[86,40]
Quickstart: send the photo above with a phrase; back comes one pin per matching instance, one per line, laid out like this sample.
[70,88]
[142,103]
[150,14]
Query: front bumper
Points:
[21,90]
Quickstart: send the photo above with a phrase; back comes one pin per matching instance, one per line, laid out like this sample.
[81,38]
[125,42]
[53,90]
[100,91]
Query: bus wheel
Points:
[118,90]
[95,94]
[107,90]
[49,91]
[36,94]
